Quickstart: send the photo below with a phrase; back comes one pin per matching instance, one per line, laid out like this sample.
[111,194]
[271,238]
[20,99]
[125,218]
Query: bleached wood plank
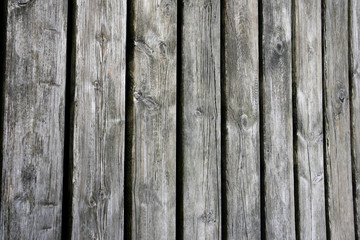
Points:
[241,65]
[154,119]
[99,117]
[201,119]
[309,120]
[277,120]
[33,136]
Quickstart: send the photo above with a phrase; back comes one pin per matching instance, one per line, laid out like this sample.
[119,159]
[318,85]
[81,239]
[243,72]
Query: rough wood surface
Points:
[201,119]
[32,176]
[154,119]
[355,105]
[309,120]
[242,114]
[337,121]
[99,117]
[277,123]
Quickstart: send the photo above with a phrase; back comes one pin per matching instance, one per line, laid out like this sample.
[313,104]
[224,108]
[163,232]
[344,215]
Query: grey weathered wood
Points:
[242,105]
[154,119]
[99,117]
[277,120]
[355,104]
[309,113]
[33,136]
[201,119]
[337,121]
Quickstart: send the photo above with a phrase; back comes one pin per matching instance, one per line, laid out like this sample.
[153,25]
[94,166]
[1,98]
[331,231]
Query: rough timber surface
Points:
[33,133]
[277,123]
[154,119]
[309,120]
[241,66]
[337,121]
[201,119]
[99,119]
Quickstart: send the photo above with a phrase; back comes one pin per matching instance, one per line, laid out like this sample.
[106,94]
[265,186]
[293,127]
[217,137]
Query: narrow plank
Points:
[242,114]
[337,121]
[154,119]
[99,117]
[309,122]
[277,120]
[201,119]
[33,134]
[355,105]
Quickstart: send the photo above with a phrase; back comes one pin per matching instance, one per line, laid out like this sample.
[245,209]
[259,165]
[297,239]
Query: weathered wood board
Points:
[201,119]
[309,147]
[277,120]
[154,119]
[99,119]
[337,121]
[355,105]
[241,66]
[33,135]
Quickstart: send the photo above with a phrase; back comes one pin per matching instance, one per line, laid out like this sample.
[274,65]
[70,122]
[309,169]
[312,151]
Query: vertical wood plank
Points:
[154,119]
[99,117]
[242,114]
[33,136]
[337,121]
[277,120]
[355,104]
[201,119]
[309,120]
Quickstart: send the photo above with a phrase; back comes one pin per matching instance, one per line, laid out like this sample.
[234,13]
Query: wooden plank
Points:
[309,120]
[154,119]
[337,121]
[201,119]
[242,114]
[355,105]
[99,119]
[277,120]
[33,136]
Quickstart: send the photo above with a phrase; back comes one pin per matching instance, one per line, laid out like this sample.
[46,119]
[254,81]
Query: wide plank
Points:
[34,108]
[277,128]
[309,120]
[241,67]
[201,119]
[339,196]
[98,119]
[153,72]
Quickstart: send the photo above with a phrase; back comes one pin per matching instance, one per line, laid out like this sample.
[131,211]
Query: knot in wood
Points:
[207,217]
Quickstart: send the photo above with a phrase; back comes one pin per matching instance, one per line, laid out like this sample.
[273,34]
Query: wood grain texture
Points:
[99,119]
[355,104]
[154,119]
[201,119]
[277,120]
[242,114]
[309,120]
[337,121]
[33,136]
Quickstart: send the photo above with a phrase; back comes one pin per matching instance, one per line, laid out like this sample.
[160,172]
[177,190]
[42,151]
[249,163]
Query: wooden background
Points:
[188,119]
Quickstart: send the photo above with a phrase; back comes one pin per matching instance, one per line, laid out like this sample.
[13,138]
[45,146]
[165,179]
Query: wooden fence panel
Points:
[154,120]
[355,104]
[337,121]
[277,120]
[309,120]
[34,108]
[201,119]
[99,119]
[241,67]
